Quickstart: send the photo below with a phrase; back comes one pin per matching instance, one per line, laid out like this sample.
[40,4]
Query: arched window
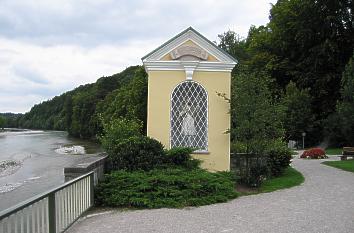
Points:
[189,116]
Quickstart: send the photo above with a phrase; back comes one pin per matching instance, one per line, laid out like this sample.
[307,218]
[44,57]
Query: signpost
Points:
[303,140]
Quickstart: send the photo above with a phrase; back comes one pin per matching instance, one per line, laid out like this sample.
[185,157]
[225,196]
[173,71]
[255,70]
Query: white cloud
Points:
[48,47]
[46,71]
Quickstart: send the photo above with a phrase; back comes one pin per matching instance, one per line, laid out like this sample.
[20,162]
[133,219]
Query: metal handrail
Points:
[28,202]
[50,195]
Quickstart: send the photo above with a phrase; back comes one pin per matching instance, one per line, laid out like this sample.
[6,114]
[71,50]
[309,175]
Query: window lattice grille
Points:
[189,116]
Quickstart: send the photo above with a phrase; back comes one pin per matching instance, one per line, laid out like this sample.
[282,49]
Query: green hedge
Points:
[165,188]
[181,157]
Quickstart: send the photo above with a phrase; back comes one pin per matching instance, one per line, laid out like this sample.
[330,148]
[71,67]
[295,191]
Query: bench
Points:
[347,152]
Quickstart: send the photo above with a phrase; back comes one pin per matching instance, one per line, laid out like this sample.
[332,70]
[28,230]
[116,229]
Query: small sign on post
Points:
[303,140]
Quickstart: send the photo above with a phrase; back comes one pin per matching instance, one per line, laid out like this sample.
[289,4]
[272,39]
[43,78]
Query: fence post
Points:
[92,185]
[51,213]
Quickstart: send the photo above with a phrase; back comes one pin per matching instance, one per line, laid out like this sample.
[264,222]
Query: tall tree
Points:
[235,45]
[129,101]
[258,43]
[256,118]
[298,117]
[312,41]
[345,107]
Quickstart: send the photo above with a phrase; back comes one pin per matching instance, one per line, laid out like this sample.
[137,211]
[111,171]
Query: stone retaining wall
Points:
[94,163]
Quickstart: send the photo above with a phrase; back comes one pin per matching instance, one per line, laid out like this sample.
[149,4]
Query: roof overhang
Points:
[222,61]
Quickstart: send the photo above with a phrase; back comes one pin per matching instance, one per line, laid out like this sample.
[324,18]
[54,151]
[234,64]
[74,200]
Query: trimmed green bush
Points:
[279,156]
[181,157]
[136,153]
[164,188]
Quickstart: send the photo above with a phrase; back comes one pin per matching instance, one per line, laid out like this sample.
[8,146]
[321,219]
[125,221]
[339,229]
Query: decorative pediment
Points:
[189,51]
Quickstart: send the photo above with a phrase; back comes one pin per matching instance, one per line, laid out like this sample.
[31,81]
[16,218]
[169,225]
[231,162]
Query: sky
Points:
[48,47]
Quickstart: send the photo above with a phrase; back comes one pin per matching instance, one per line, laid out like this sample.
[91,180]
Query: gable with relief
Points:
[189,51]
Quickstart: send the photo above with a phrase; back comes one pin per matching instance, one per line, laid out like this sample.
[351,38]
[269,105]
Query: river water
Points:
[32,162]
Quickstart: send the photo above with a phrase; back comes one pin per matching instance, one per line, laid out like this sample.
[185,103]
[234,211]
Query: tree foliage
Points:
[2,122]
[118,130]
[11,119]
[311,42]
[345,106]
[129,101]
[298,117]
[256,118]
[235,45]
[305,42]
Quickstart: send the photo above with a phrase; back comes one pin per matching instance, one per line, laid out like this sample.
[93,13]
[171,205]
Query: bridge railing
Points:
[53,211]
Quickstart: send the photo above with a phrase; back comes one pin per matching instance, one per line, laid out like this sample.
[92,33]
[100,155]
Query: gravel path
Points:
[323,203]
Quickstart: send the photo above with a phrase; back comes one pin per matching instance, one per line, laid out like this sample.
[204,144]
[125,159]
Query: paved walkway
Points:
[323,203]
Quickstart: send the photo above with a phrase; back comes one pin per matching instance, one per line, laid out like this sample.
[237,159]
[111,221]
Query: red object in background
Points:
[314,153]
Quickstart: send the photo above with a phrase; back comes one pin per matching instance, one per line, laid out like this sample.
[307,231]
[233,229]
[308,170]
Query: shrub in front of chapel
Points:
[137,153]
[128,149]
[144,175]
[159,188]
[181,157]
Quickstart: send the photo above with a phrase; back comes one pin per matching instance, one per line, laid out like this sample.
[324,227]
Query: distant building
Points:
[185,75]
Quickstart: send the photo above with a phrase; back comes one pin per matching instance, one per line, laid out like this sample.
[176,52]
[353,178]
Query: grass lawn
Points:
[346,165]
[333,151]
[290,178]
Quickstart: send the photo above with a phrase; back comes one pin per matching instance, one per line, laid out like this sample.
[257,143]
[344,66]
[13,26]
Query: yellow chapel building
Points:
[184,76]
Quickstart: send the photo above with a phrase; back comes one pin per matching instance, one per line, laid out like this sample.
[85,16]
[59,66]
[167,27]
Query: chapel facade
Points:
[185,75]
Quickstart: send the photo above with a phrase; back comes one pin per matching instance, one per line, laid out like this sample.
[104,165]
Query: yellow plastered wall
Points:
[161,85]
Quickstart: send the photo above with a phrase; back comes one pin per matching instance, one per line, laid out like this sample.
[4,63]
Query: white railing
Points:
[51,212]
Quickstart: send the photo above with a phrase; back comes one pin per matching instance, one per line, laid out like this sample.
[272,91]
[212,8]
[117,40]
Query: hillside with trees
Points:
[80,111]
[10,120]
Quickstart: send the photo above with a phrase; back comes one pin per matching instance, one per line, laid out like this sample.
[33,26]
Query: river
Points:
[32,162]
